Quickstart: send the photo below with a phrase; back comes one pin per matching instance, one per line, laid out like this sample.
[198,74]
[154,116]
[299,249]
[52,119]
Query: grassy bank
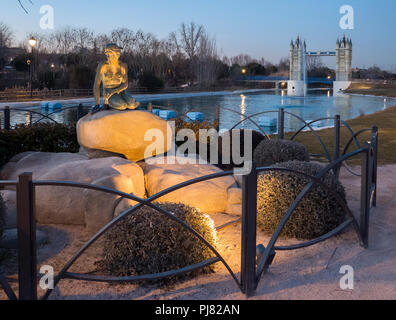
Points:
[375,89]
[384,120]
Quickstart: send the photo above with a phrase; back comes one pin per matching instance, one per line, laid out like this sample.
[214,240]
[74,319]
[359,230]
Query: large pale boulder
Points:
[210,196]
[122,132]
[70,205]
[9,198]
[36,162]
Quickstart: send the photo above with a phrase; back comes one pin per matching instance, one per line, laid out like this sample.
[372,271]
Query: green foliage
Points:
[150,81]
[20,62]
[81,77]
[148,242]
[273,151]
[255,69]
[47,79]
[318,213]
[44,137]
[257,138]
[321,72]
[195,126]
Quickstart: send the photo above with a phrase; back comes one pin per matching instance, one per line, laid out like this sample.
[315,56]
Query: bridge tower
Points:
[297,85]
[344,65]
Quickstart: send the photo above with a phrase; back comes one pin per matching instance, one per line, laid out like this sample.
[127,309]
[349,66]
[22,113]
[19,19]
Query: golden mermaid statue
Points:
[113,74]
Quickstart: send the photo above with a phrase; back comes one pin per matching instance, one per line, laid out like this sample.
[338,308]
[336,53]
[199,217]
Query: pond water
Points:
[317,104]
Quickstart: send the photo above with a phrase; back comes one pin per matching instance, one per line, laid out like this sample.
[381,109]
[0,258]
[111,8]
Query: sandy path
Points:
[310,273]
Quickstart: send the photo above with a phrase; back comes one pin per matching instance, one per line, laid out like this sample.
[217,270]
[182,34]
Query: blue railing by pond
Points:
[285,79]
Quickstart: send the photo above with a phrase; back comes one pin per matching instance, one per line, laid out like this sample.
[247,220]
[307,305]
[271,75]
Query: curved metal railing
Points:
[40,115]
[338,122]
[368,154]
[148,202]
[314,180]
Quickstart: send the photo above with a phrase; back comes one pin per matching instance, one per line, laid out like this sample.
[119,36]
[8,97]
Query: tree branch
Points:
[22,6]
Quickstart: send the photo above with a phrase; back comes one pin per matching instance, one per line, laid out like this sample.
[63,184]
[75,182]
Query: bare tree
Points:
[313,62]
[174,44]
[124,37]
[242,59]
[6,37]
[190,36]
[187,41]
[100,41]
[44,43]
[22,6]
[284,64]
[64,40]
[84,38]
[207,59]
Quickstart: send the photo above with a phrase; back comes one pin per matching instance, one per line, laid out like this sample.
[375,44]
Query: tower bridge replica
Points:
[297,83]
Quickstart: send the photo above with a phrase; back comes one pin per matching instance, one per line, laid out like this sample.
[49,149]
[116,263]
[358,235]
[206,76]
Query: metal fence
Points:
[19,95]
[7,115]
[44,94]
[255,258]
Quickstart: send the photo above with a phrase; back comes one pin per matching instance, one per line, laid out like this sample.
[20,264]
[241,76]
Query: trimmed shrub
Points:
[148,242]
[269,152]
[318,213]
[150,81]
[43,137]
[195,126]
[257,138]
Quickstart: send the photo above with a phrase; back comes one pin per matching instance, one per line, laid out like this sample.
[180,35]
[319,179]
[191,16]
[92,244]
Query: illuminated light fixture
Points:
[243,71]
[32,42]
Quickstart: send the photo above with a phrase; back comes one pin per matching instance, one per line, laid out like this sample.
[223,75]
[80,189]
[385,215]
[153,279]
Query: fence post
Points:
[79,111]
[281,124]
[366,180]
[374,144]
[337,135]
[27,251]
[7,118]
[249,221]
[217,118]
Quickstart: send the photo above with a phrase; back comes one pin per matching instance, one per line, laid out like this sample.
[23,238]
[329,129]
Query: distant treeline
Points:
[68,58]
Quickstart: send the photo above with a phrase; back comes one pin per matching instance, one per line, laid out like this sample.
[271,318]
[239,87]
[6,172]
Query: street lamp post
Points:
[53,73]
[32,43]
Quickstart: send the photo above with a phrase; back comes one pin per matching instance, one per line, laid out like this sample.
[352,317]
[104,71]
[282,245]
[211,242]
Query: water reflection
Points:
[314,106]
[343,106]
[243,109]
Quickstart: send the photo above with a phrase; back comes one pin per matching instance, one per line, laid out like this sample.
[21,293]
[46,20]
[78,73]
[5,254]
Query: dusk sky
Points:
[260,28]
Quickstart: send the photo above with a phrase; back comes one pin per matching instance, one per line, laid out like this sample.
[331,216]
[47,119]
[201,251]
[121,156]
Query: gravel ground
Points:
[310,273]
